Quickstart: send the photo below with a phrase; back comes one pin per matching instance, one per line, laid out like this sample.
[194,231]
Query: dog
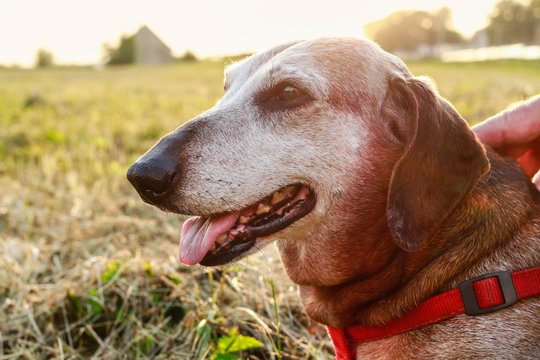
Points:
[376,192]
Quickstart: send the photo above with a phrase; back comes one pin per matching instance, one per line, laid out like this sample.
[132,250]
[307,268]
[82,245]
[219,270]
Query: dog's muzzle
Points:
[219,237]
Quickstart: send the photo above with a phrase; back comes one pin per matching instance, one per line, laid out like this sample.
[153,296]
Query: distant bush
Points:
[123,54]
[188,56]
[44,58]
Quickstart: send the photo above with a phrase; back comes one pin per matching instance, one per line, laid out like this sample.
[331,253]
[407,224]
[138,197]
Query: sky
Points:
[75,30]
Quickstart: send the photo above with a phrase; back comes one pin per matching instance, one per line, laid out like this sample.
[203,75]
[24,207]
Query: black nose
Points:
[152,178]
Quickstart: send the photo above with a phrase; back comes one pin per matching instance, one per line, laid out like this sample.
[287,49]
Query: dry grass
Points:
[480,90]
[88,271]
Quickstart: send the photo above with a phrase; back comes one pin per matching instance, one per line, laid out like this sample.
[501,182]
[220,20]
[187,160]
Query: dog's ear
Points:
[441,162]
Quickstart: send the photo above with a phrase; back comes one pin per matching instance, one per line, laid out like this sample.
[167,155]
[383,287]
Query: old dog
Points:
[376,191]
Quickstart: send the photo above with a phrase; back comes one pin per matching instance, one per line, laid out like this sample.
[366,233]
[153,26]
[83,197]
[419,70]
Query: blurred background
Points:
[86,269]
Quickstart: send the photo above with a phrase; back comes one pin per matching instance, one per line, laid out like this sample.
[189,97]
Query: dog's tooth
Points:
[262,208]
[221,239]
[243,219]
[277,197]
[213,247]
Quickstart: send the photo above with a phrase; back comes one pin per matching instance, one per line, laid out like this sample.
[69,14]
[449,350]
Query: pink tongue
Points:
[199,234]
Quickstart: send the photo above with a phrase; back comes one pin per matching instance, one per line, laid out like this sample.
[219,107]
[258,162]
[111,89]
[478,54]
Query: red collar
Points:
[476,296]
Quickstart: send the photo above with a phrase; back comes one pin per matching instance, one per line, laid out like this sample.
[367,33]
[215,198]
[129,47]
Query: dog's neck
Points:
[489,216]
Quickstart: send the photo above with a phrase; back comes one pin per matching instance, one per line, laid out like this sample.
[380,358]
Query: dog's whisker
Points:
[225,201]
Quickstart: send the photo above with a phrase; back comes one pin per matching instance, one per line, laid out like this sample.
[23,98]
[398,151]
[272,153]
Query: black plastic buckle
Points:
[469,297]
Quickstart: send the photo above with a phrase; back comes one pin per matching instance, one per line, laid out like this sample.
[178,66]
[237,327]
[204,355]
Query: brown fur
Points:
[495,226]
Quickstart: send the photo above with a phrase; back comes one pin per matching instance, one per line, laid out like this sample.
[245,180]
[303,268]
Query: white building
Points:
[150,49]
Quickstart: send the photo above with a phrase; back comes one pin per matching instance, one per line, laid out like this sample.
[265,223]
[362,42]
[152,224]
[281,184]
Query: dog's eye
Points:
[283,96]
[289,93]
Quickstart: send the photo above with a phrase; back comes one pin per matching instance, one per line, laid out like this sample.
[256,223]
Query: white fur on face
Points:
[242,150]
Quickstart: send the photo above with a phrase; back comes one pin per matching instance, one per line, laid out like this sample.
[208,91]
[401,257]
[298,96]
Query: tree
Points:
[44,58]
[407,29]
[123,54]
[188,56]
[513,22]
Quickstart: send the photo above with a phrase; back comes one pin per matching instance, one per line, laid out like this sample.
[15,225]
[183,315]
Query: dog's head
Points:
[329,146]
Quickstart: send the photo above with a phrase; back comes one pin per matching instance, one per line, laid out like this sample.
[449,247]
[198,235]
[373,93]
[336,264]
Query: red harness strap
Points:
[480,295]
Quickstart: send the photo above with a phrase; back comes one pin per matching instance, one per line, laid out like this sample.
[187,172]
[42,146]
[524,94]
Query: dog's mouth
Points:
[218,240]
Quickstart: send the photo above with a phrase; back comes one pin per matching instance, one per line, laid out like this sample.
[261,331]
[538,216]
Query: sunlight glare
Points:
[75,31]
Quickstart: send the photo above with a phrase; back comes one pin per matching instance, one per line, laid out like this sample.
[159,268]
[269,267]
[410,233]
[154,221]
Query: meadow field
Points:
[87,270]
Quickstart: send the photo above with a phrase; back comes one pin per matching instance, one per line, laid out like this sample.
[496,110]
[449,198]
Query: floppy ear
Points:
[441,163]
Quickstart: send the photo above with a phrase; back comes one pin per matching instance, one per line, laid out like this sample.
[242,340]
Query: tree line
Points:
[509,22]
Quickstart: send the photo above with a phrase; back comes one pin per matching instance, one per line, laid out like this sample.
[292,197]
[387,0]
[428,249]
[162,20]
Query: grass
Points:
[480,90]
[88,271]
